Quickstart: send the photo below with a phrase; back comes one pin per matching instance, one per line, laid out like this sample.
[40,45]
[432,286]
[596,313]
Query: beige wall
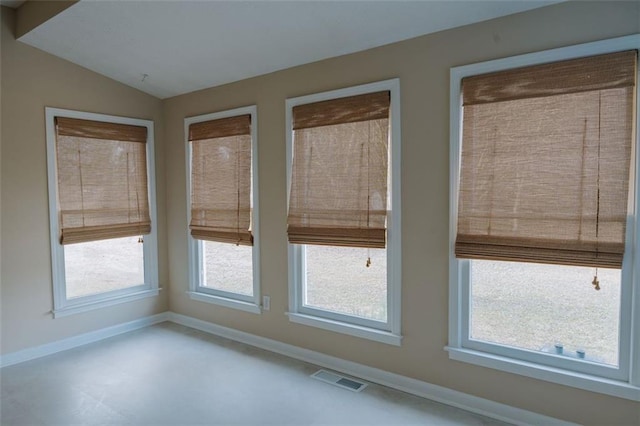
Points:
[31,80]
[422,64]
[32,14]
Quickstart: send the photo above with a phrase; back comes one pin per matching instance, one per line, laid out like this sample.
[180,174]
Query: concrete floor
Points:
[173,375]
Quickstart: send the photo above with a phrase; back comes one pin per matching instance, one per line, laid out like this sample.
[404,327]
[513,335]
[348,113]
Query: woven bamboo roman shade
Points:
[102,180]
[545,164]
[221,180]
[339,175]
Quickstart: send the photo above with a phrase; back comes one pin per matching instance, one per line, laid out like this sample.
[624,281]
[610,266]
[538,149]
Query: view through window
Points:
[338,280]
[536,307]
[228,267]
[101,266]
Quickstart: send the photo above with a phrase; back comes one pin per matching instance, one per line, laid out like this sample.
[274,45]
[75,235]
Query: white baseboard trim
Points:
[426,390]
[82,339]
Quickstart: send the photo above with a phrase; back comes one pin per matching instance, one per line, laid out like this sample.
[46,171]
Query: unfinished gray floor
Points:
[172,375]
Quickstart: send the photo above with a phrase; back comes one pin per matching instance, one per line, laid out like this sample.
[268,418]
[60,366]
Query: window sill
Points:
[226,302]
[345,328]
[79,307]
[555,375]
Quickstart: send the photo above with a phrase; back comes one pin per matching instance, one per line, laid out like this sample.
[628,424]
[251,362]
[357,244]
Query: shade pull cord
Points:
[137,184]
[596,282]
[368,264]
[81,186]
[491,187]
[238,190]
[140,239]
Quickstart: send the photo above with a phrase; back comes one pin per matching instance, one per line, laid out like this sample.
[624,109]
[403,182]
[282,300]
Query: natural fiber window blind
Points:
[545,163]
[102,180]
[339,174]
[221,180]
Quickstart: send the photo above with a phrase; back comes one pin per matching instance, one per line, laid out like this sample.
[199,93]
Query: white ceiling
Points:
[184,46]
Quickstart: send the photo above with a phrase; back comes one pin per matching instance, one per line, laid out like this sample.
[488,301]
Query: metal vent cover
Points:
[339,380]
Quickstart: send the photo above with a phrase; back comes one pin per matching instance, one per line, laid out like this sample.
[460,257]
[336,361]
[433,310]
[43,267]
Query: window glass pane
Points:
[100,266]
[228,267]
[535,307]
[338,280]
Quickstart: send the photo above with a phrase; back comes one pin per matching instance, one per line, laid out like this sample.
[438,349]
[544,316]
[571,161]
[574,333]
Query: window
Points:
[101,208]
[223,208]
[343,159]
[544,224]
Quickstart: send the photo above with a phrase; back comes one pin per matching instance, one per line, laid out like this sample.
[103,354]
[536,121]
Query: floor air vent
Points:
[338,380]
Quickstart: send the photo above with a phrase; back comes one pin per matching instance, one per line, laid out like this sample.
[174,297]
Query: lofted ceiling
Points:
[167,48]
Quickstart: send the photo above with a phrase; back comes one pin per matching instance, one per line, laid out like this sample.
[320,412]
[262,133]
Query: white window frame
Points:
[196,268]
[623,381]
[385,332]
[62,305]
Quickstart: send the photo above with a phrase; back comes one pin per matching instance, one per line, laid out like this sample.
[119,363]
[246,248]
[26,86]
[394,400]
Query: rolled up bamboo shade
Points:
[339,174]
[102,180]
[545,164]
[221,180]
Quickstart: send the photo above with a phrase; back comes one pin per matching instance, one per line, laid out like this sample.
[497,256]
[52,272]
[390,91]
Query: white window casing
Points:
[195,247]
[386,332]
[63,305]
[622,381]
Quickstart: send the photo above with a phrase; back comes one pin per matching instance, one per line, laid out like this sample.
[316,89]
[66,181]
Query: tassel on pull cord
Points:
[140,239]
[368,257]
[596,282]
